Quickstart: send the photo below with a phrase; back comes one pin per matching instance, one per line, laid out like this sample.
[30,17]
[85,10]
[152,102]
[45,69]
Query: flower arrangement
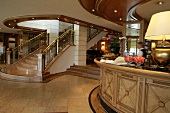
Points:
[115,42]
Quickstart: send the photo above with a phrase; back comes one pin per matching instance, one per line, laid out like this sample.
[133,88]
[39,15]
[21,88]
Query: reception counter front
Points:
[130,90]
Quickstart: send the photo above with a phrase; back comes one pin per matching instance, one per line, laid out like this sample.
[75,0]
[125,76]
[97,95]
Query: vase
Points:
[115,50]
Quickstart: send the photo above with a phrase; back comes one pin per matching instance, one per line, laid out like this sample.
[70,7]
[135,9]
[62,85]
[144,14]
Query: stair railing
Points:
[91,33]
[68,28]
[57,46]
[24,49]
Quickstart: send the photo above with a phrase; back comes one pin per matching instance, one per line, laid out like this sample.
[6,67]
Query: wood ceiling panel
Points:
[105,8]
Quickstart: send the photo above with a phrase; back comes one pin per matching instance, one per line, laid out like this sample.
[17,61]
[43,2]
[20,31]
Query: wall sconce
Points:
[103,46]
[153,45]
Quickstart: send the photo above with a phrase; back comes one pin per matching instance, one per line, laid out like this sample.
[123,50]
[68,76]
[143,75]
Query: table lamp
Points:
[159,29]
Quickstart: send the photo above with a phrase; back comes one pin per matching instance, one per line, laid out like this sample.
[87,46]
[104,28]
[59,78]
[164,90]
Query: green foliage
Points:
[115,42]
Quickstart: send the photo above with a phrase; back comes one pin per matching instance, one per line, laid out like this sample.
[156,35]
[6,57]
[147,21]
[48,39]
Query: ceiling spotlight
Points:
[160,3]
[115,11]
[9,24]
[105,29]
[120,18]
[93,10]
[76,22]
[33,18]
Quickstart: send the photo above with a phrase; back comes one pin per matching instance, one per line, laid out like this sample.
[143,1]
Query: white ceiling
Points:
[71,8]
[148,9]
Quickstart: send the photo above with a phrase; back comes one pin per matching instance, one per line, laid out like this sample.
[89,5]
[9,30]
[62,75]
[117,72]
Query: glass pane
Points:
[133,29]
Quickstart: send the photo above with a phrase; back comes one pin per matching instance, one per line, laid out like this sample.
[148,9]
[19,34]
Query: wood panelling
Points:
[105,8]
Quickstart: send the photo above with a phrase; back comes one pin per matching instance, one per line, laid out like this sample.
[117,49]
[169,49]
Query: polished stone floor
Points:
[65,94]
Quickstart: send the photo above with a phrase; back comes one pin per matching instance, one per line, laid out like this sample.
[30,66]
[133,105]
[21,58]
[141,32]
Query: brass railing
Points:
[28,47]
[68,28]
[91,33]
[65,39]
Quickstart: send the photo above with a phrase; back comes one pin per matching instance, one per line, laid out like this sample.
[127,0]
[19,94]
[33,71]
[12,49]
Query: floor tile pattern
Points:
[64,94]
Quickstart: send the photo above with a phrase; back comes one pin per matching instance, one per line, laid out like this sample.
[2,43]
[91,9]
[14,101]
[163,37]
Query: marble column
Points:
[80,41]
[41,64]
[8,61]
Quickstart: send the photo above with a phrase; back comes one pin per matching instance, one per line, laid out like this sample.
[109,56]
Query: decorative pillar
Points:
[8,52]
[123,41]
[80,41]
[142,31]
[41,64]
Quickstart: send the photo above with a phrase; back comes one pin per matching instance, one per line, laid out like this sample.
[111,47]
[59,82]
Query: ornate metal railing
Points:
[67,38]
[28,47]
[68,28]
[91,33]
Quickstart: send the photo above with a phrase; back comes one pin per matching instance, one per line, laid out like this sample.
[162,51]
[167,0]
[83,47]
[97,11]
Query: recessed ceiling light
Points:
[33,18]
[77,22]
[9,24]
[93,10]
[105,29]
[160,3]
[115,11]
[120,18]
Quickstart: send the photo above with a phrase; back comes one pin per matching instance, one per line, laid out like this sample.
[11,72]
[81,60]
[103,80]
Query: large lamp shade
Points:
[159,26]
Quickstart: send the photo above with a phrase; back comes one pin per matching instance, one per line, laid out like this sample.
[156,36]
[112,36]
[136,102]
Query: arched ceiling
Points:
[102,12]
[70,8]
[148,9]
[112,10]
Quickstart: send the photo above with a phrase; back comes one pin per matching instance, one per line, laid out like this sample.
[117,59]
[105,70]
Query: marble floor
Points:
[64,94]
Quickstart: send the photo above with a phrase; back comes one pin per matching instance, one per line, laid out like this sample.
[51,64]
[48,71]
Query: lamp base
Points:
[161,56]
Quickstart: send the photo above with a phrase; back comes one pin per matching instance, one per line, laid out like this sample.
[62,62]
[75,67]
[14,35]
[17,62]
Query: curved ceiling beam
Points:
[113,10]
[13,22]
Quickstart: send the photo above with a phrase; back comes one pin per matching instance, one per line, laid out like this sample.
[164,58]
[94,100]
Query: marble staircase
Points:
[84,71]
[28,65]
[25,67]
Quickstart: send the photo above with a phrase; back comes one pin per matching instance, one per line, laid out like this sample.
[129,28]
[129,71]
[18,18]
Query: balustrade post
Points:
[13,54]
[8,59]
[57,46]
[41,64]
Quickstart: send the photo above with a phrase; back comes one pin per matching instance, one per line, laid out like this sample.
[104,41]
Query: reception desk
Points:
[130,90]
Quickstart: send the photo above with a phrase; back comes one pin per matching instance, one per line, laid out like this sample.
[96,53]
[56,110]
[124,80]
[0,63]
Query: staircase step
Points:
[83,74]
[35,62]
[85,70]
[33,58]
[27,65]
[14,71]
[87,67]
[25,69]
